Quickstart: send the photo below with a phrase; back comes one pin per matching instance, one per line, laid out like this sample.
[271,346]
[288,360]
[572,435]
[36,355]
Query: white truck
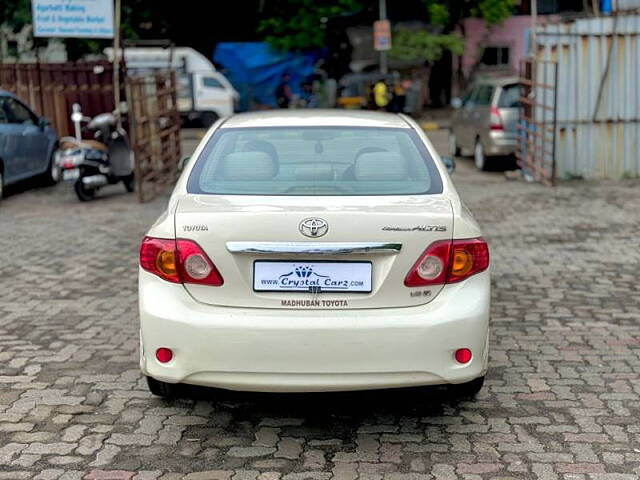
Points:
[204,94]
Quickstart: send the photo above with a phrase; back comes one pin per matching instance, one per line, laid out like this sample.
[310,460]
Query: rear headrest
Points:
[247,166]
[316,171]
[380,166]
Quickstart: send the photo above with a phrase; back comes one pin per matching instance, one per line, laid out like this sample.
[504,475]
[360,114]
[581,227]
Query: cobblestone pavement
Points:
[562,400]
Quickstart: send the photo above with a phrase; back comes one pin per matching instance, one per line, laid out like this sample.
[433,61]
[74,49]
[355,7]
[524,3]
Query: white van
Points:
[204,93]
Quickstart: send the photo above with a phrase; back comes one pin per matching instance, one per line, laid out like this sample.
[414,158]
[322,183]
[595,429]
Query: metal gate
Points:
[52,88]
[153,119]
[154,123]
[536,152]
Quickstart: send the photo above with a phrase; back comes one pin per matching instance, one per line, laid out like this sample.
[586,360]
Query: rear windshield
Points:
[315,161]
[510,96]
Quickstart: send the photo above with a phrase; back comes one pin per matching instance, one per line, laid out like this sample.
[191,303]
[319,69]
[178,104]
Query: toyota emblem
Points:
[313,227]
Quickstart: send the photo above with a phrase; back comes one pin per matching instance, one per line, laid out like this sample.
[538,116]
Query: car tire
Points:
[1,185]
[52,174]
[129,183]
[479,158]
[162,389]
[454,149]
[468,389]
[208,119]
[83,194]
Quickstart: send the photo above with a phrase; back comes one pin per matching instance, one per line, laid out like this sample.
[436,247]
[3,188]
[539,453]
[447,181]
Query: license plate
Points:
[70,174]
[276,276]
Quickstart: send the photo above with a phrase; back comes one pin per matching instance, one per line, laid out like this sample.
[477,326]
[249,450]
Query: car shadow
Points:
[423,401]
[108,192]
[495,165]
[22,186]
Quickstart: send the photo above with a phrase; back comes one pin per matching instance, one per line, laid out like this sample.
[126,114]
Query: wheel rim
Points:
[479,156]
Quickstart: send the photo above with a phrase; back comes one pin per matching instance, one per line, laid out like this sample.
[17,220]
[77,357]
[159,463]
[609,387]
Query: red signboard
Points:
[382,35]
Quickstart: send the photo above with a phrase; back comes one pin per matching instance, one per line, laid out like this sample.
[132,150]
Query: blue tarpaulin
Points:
[255,70]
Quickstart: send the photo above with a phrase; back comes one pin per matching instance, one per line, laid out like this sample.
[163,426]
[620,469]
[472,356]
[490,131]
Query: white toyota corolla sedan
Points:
[314,250]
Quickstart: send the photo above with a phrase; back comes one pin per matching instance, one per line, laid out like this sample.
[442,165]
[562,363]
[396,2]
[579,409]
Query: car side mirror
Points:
[450,163]
[456,103]
[183,163]
[43,123]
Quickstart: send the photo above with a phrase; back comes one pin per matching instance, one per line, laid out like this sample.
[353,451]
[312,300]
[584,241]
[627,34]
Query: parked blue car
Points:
[27,144]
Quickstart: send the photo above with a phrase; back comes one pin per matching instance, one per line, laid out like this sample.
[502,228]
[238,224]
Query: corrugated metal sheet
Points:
[598,109]
[626,4]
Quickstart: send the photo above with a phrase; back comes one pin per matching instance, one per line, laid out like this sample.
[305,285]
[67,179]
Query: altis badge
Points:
[417,228]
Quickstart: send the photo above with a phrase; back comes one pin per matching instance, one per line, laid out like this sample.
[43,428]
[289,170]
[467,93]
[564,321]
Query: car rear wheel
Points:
[1,185]
[162,389]
[208,119]
[129,183]
[454,149]
[467,390]
[479,158]
[52,175]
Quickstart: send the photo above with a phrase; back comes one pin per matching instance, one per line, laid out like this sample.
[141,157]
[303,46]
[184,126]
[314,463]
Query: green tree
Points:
[301,24]
[15,13]
[445,17]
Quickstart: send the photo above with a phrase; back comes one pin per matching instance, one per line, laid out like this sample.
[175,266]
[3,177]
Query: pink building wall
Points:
[513,33]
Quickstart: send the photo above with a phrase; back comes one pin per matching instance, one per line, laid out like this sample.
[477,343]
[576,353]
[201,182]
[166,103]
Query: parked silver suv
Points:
[484,121]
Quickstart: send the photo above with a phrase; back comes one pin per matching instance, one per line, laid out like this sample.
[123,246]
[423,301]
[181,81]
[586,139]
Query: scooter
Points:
[93,163]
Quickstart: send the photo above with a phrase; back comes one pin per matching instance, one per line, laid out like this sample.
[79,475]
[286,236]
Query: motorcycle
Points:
[93,163]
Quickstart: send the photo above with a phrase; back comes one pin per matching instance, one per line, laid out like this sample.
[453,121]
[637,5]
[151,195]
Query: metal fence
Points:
[536,152]
[155,131]
[598,109]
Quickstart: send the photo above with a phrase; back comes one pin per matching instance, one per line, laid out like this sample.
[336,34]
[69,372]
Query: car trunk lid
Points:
[370,241]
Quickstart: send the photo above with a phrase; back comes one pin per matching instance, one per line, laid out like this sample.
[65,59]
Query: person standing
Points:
[283,92]
[399,97]
[381,94]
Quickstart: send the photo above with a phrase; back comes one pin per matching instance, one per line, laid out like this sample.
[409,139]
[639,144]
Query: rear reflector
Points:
[463,355]
[178,261]
[449,261]
[164,355]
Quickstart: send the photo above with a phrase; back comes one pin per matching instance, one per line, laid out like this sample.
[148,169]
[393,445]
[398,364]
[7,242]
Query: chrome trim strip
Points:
[313,248]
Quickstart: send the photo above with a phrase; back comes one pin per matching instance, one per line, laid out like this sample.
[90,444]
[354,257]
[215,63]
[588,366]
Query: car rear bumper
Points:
[314,350]
[501,143]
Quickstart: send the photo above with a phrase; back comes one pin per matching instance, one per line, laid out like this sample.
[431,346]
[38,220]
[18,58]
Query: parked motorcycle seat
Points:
[68,144]
[97,145]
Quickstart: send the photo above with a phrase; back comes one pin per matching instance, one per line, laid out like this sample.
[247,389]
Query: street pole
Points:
[534,25]
[383,53]
[116,58]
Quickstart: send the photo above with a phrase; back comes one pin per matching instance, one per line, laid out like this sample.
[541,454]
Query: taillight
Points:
[468,257]
[178,261]
[449,261]
[194,265]
[496,120]
[431,267]
[158,256]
